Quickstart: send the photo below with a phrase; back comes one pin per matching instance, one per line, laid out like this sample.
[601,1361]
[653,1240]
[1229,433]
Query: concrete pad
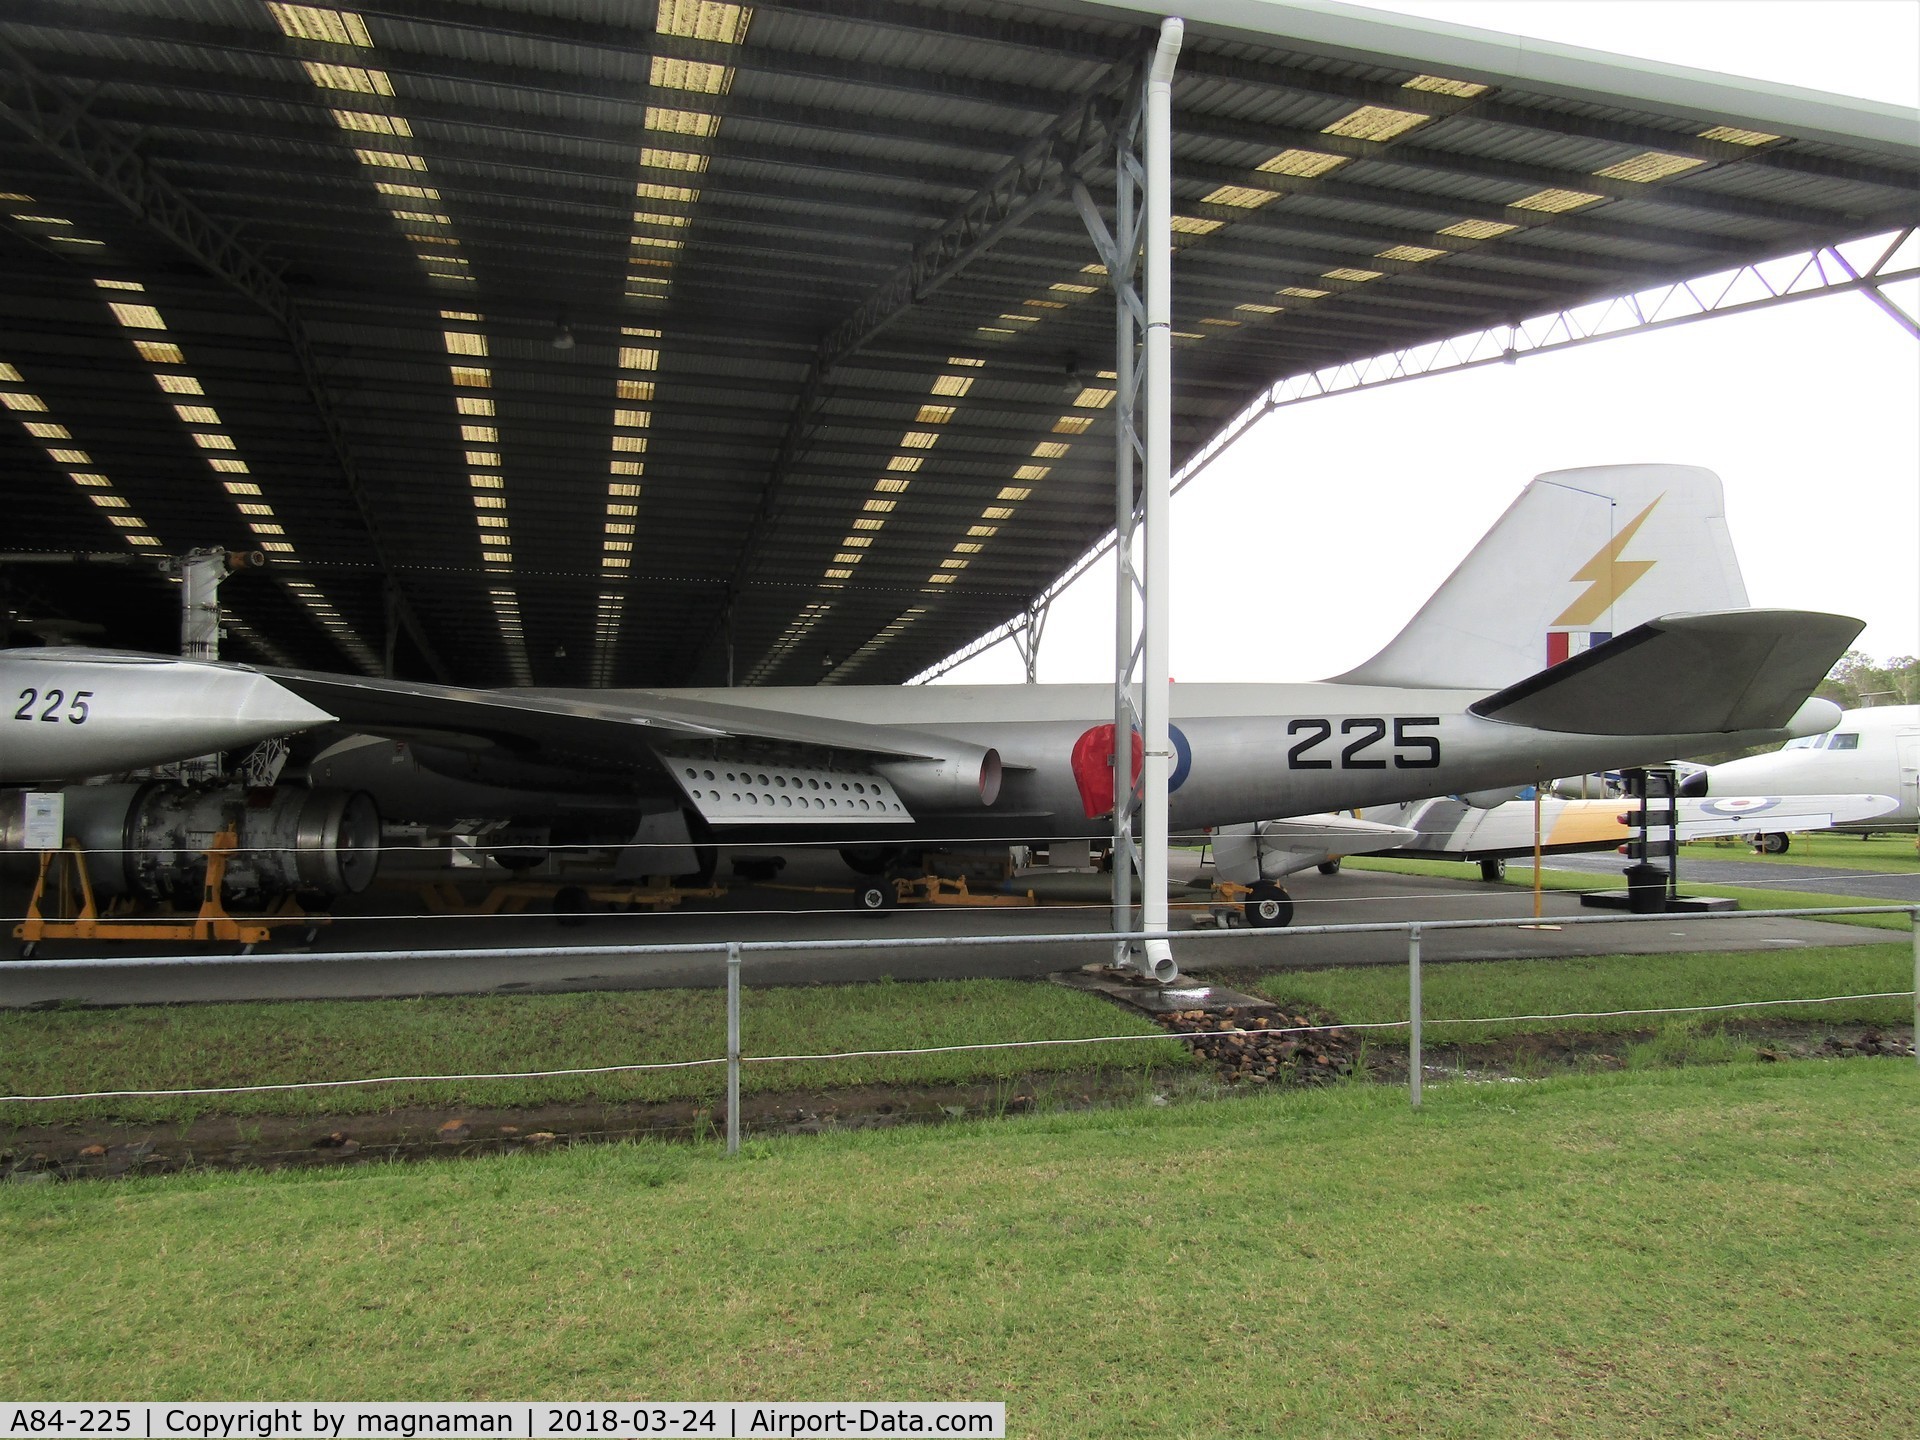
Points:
[406,953]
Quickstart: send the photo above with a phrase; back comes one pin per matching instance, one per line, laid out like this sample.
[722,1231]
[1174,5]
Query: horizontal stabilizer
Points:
[1276,848]
[1683,675]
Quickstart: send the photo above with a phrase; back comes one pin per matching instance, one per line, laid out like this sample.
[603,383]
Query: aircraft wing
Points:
[1453,828]
[1683,675]
[787,768]
[562,728]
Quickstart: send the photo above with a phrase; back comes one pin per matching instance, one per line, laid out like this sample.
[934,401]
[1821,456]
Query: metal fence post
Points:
[1414,1062]
[733,1047]
[1915,916]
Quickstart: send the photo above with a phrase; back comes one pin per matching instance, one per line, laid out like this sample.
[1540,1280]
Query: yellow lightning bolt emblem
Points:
[1608,577]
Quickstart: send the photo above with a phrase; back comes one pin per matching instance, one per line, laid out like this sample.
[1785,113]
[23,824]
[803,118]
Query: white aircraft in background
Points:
[1873,749]
[1449,828]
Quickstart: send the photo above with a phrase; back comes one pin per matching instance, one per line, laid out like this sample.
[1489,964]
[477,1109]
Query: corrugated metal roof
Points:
[698,213]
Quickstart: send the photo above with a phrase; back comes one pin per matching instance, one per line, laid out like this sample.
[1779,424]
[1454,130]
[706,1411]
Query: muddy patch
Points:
[1534,1056]
[1247,1047]
[104,1150]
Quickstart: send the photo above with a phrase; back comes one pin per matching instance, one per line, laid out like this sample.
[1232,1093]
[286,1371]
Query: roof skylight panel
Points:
[704,20]
[1441,85]
[1302,164]
[311,22]
[77,463]
[434,252]
[1555,202]
[1650,166]
[1478,229]
[1375,122]
[1241,197]
[1733,136]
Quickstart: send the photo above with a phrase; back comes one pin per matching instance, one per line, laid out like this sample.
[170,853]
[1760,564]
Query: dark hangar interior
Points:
[614,342]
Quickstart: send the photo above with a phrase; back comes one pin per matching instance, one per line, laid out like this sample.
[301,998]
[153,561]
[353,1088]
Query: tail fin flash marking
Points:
[1608,577]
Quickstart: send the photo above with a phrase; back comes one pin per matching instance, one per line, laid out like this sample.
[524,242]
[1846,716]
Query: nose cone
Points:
[265,708]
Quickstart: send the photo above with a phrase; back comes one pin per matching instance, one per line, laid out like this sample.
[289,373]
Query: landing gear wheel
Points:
[871,859]
[1268,907]
[1772,843]
[706,860]
[518,862]
[875,896]
[1493,871]
[570,905]
[1329,867]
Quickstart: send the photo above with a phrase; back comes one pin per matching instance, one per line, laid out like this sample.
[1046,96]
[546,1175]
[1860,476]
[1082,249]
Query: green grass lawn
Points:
[1521,874]
[1489,988]
[164,1047]
[1718,1252]
[1896,853]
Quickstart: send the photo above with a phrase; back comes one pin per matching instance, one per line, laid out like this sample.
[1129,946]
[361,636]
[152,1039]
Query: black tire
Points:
[570,905]
[1773,843]
[1329,867]
[706,860]
[1267,906]
[759,868]
[1493,871]
[875,896]
[871,859]
[518,862]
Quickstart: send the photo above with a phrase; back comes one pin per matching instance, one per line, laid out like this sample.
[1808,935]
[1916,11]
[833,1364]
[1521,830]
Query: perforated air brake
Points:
[729,792]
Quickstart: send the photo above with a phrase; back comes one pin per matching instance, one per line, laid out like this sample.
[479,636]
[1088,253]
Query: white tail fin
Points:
[1581,556]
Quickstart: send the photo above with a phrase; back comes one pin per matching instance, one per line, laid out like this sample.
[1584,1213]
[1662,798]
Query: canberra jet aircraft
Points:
[1599,624]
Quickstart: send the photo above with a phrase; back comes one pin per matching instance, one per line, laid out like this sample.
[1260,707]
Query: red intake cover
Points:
[1093,772]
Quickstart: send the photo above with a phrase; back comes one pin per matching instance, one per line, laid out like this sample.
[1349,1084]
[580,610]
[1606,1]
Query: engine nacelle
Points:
[967,778]
[149,841]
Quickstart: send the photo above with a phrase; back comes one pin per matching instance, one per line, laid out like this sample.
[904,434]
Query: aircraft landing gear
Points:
[1329,867]
[1772,843]
[1493,871]
[1267,906]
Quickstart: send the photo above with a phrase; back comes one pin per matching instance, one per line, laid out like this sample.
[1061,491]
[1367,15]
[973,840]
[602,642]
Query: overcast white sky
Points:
[1306,545]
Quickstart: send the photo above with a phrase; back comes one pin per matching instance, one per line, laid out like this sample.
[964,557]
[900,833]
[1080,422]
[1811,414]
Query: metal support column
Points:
[733,1047]
[1416,1060]
[1027,635]
[201,572]
[1128,339]
[1127,253]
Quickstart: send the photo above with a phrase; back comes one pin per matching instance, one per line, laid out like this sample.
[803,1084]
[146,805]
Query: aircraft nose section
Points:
[262,709]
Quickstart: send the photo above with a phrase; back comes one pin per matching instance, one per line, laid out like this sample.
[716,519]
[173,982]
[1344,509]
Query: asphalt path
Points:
[1864,884]
[398,953]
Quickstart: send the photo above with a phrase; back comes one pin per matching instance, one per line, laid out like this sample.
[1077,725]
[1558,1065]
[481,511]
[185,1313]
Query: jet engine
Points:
[965,778]
[149,841]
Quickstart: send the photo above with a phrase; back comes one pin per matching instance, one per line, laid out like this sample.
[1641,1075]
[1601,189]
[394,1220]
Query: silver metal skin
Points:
[67,714]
